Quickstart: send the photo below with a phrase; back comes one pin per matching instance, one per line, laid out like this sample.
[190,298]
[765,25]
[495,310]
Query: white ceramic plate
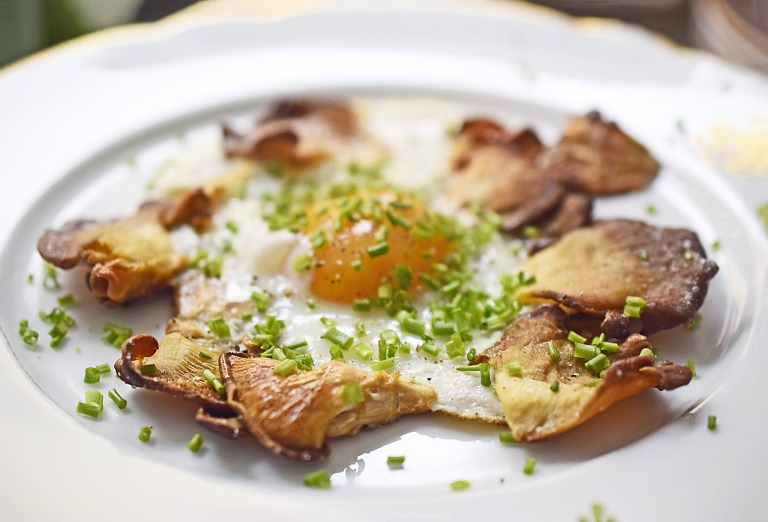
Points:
[83,128]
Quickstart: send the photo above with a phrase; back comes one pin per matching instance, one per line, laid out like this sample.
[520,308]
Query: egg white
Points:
[258,259]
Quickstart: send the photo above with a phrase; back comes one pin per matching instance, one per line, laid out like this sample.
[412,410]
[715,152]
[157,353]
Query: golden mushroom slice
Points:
[535,352]
[127,258]
[299,134]
[177,366]
[294,415]
[595,156]
[594,269]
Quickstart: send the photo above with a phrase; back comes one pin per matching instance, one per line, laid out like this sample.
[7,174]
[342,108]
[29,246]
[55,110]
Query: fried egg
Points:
[361,250]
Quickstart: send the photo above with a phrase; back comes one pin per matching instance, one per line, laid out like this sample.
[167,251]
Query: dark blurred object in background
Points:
[152,10]
[736,29]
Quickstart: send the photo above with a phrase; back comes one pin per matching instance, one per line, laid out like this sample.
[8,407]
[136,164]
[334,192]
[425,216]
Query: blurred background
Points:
[735,29]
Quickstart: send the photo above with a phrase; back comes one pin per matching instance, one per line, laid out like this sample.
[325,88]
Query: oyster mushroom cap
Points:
[295,415]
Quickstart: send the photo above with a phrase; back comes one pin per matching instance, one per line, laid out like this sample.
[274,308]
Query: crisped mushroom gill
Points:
[294,415]
[533,410]
[594,269]
[177,368]
[127,258]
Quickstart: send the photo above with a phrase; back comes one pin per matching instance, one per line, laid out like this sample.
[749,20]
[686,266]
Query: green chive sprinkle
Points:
[285,367]
[336,353]
[363,350]
[115,335]
[318,479]
[50,277]
[356,265]
[66,300]
[634,306]
[149,369]
[302,262]
[691,366]
[576,338]
[597,364]
[195,443]
[530,465]
[145,434]
[430,348]
[362,305]
[89,409]
[712,422]
[383,365]
[214,381]
[92,376]
[554,353]
[219,328]
[378,250]
[336,336]
[646,352]
[515,369]
[651,209]
[555,386]
[395,462]
[506,437]
[117,399]
[403,275]
[460,485]
[353,394]
[204,355]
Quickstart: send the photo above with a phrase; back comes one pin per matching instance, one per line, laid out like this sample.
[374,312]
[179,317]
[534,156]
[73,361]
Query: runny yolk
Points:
[343,270]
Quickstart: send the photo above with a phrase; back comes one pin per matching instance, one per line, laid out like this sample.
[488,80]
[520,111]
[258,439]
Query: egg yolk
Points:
[354,258]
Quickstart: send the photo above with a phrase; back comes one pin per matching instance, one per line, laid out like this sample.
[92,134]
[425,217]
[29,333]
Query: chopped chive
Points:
[318,239]
[214,381]
[597,364]
[149,369]
[460,485]
[94,397]
[530,232]
[716,245]
[336,353]
[554,353]
[231,226]
[285,367]
[691,366]
[650,208]
[311,303]
[296,345]
[219,328]
[634,306]
[204,355]
[530,465]
[92,376]
[66,300]
[609,347]
[378,250]
[318,479]
[414,326]
[471,354]
[506,437]
[336,336]
[694,323]
[383,365]
[103,368]
[57,334]
[515,369]
[145,434]
[712,422]
[363,350]
[302,262]
[403,275]
[359,328]
[646,352]
[576,338]
[362,305]
[396,461]
[429,281]
[117,399]
[90,409]
[115,335]
[585,351]
[644,255]
[382,234]
[430,348]
[555,386]
[356,265]
[50,277]
[353,394]
[195,443]
[327,321]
